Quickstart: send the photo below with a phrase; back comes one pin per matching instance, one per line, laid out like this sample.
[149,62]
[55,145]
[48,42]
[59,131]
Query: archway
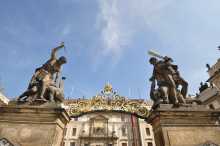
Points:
[109,119]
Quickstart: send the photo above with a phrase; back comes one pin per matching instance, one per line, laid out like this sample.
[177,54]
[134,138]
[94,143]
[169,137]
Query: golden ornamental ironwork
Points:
[108,101]
[108,88]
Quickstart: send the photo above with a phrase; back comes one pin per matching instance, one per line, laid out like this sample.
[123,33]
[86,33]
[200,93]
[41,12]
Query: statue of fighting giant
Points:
[168,79]
[45,84]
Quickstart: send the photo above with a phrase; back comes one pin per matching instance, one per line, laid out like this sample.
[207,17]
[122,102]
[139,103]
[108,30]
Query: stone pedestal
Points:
[185,126]
[33,126]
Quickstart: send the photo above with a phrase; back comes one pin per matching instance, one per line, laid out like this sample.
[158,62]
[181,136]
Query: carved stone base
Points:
[33,126]
[190,125]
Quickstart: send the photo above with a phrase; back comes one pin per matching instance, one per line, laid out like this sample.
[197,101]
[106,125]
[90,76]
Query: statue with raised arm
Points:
[50,69]
[163,75]
[44,78]
[168,80]
[176,76]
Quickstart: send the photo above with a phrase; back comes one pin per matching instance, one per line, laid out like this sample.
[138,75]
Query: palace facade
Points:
[108,129]
[108,120]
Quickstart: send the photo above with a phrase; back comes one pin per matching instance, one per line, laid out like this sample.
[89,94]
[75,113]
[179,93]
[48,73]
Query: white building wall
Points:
[147,139]
[115,123]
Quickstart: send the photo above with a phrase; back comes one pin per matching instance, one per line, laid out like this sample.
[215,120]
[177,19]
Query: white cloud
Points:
[182,28]
[112,36]
[121,20]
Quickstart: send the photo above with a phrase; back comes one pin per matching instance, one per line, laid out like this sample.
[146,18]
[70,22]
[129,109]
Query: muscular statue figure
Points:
[45,74]
[55,93]
[163,74]
[167,79]
[176,76]
[45,77]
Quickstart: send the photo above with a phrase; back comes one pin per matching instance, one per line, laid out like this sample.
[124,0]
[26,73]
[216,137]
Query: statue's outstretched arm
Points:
[54,51]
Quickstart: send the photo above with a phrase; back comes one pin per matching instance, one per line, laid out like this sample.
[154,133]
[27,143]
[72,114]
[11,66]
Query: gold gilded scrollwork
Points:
[98,102]
[118,102]
[109,103]
[74,110]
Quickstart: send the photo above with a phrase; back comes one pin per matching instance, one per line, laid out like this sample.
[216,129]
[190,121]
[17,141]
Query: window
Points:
[76,119]
[211,106]
[99,126]
[123,129]
[149,144]
[74,132]
[86,144]
[147,131]
[109,144]
[124,144]
[72,143]
[99,131]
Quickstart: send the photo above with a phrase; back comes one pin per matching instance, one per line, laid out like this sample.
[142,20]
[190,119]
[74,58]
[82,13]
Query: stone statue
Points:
[167,78]
[163,75]
[54,93]
[176,76]
[43,85]
[159,95]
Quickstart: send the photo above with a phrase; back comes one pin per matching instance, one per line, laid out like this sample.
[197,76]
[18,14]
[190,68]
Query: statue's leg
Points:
[32,91]
[184,85]
[172,89]
[51,96]
[181,98]
[27,93]
[43,89]
[61,96]
[21,96]
[44,85]
[164,93]
[52,99]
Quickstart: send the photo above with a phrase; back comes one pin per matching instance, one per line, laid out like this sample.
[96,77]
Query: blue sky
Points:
[107,41]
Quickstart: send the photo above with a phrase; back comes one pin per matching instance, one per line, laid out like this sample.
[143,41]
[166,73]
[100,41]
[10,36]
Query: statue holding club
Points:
[167,77]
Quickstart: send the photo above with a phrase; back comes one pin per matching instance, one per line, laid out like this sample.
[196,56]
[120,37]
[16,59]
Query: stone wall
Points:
[185,126]
[32,126]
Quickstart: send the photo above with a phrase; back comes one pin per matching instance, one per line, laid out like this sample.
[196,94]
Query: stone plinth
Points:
[33,126]
[185,126]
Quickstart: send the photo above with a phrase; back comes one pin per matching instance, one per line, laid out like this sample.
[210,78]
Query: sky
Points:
[107,41]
